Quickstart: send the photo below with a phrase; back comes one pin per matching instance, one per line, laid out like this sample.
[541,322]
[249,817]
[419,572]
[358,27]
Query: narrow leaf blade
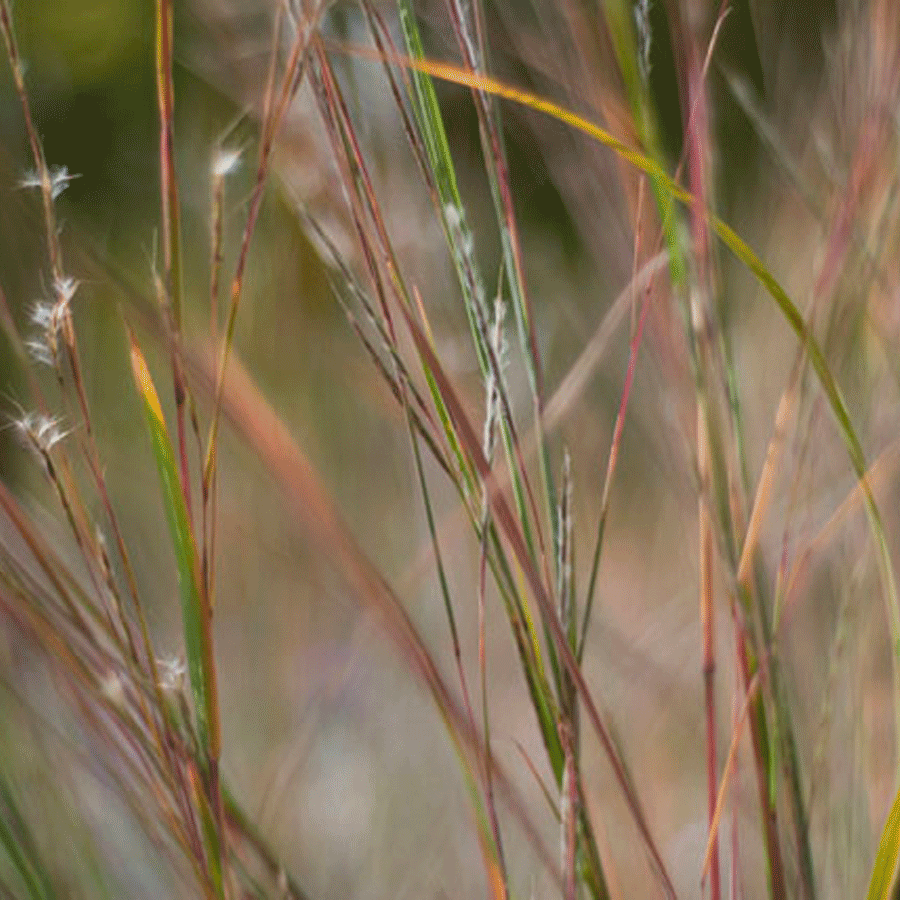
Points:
[886,858]
[182,543]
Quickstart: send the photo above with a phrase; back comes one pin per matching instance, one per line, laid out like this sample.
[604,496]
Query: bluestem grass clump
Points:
[157,717]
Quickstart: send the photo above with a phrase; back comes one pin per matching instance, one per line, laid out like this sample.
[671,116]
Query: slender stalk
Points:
[707,607]
[696,141]
[171,222]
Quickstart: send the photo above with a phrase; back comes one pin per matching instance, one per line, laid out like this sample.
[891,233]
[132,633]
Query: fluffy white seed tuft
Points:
[225,162]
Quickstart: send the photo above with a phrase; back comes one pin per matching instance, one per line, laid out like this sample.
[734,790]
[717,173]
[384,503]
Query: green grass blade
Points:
[196,612]
[886,857]
[471,33]
[185,551]
[428,113]
[15,839]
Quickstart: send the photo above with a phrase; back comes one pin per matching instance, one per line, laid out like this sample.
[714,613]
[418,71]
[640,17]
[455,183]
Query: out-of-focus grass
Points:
[413,504]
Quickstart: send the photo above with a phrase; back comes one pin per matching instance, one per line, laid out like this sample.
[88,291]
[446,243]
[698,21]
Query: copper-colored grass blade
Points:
[766,481]
[132,761]
[539,779]
[726,777]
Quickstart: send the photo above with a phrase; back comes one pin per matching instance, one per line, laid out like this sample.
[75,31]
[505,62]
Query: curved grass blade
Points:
[655,171]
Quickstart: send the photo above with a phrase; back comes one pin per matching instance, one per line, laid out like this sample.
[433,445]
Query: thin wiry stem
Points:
[276,105]
[504,516]
[64,286]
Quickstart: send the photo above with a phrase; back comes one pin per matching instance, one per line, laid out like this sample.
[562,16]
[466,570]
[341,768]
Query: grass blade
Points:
[185,551]
[886,857]
[195,608]
[15,839]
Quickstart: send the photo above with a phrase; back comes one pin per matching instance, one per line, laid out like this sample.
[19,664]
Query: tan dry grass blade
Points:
[727,772]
